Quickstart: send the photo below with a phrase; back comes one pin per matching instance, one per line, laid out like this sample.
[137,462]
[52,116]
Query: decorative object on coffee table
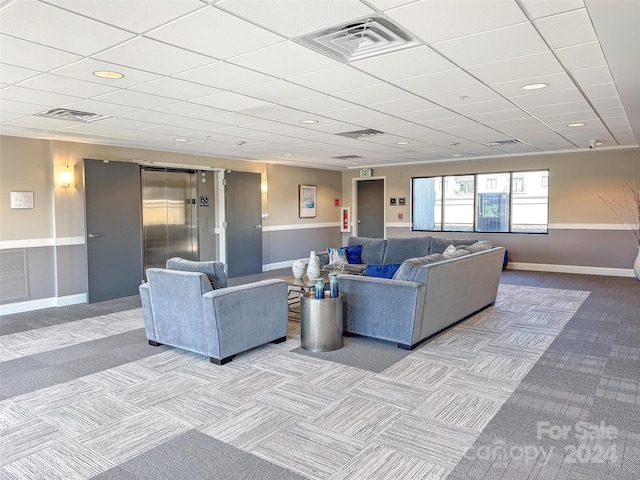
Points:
[298,268]
[313,269]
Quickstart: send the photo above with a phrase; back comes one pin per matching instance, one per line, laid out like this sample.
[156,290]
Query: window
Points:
[481,203]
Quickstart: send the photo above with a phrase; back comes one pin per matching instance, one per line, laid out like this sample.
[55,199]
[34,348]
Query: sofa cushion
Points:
[409,268]
[456,254]
[372,248]
[354,253]
[438,245]
[399,249]
[476,247]
[214,270]
[386,270]
[337,256]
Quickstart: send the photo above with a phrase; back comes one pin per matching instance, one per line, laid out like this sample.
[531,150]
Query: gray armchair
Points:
[182,309]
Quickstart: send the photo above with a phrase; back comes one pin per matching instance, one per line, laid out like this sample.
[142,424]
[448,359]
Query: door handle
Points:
[94,235]
[258,226]
[359,222]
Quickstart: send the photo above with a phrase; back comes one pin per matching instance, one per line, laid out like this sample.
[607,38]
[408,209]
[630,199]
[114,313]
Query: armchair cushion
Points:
[213,270]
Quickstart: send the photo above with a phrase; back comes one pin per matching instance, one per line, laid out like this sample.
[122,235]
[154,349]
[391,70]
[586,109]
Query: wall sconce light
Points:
[63,176]
[263,187]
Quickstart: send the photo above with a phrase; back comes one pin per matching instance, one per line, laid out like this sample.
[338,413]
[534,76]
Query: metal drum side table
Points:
[320,322]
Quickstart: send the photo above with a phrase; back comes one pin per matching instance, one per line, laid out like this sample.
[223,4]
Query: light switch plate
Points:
[21,199]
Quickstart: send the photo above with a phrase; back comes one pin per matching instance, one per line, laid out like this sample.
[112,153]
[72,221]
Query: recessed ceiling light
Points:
[309,121]
[456,155]
[180,140]
[288,155]
[534,86]
[108,74]
[404,142]
[576,124]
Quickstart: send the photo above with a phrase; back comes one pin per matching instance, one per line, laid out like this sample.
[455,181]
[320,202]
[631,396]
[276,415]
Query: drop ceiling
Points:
[236,78]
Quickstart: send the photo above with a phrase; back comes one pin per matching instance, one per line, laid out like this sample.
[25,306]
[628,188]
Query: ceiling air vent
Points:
[73,115]
[348,157]
[359,39]
[502,143]
[369,132]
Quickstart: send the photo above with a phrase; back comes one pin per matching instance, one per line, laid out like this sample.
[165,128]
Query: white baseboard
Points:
[30,305]
[275,266]
[579,269]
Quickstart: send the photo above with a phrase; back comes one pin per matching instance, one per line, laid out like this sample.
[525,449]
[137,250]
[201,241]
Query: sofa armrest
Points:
[255,312]
[149,324]
[323,258]
[382,307]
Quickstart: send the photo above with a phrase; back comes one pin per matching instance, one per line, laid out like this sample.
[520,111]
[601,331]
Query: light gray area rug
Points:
[196,456]
[362,352]
[316,418]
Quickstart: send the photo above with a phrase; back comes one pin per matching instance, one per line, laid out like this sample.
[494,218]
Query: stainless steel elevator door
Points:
[169,216]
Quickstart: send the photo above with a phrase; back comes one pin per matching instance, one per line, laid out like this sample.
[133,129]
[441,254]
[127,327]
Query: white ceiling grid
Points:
[232,78]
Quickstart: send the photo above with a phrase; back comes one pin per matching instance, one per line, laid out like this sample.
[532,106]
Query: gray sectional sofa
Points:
[428,292]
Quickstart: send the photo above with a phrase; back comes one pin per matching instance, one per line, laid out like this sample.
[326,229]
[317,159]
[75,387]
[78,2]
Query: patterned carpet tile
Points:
[491,388]
[23,439]
[391,391]
[301,399]
[358,418]
[420,372]
[376,462]
[309,450]
[337,377]
[499,366]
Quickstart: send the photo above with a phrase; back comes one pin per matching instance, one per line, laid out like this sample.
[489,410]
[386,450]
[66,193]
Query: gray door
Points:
[244,223]
[113,222]
[169,216]
[370,208]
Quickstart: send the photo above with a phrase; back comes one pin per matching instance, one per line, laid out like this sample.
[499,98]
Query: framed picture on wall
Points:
[307,203]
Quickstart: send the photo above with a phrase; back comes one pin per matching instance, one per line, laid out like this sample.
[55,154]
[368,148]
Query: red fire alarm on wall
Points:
[336,202]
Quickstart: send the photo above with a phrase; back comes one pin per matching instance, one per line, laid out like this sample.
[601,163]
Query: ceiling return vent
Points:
[369,132]
[359,39]
[348,157]
[73,115]
[502,143]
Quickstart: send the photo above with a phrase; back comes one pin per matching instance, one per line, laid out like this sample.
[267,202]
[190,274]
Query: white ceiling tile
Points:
[138,16]
[93,129]
[548,98]
[566,29]
[41,122]
[230,101]
[296,17]
[12,74]
[609,102]
[225,76]
[480,108]
[381,92]
[405,105]
[464,96]
[20,107]
[320,104]
[190,109]
[134,99]
[556,81]
[284,60]
[67,86]
[146,54]
[538,8]
[592,76]
[508,42]
[611,111]
[455,19]
[403,64]
[528,66]
[581,56]
[335,79]
[7,116]
[28,95]
[83,70]
[141,135]
[215,33]
[21,53]
[155,117]
[277,91]
[604,90]
[175,88]
[102,108]
[556,109]
[427,85]
[424,116]
[40,23]
[490,117]
[125,123]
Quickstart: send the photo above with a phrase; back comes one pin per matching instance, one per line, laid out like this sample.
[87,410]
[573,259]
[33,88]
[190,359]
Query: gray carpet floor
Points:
[546,384]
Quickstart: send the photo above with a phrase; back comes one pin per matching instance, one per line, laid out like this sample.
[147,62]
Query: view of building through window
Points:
[514,202]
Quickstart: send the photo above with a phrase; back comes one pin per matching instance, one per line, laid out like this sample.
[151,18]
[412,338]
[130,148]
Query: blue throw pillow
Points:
[386,270]
[354,253]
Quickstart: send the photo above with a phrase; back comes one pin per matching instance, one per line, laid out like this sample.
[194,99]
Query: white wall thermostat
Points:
[365,172]
[21,199]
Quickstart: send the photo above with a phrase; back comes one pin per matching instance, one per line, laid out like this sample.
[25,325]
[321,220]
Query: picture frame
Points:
[307,199]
